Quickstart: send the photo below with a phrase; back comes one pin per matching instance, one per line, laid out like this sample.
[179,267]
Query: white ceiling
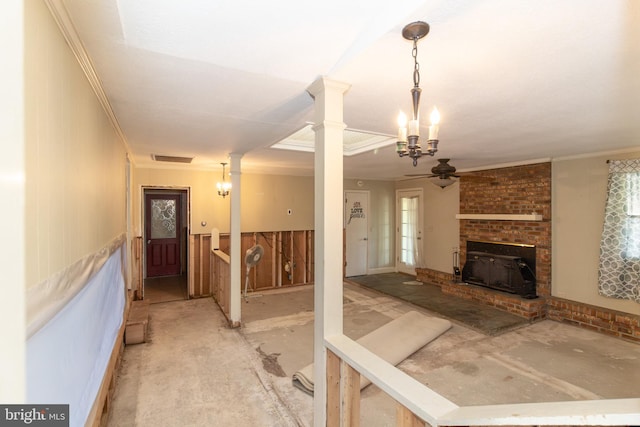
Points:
[513,80]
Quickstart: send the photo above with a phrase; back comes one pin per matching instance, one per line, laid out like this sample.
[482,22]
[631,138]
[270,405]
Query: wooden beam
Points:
[406,418]
[350,396]
[333,390]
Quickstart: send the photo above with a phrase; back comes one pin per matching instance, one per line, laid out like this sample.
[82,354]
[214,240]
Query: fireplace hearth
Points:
[508,267]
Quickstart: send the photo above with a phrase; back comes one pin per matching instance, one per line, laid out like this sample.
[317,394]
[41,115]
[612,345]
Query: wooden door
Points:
[162,234]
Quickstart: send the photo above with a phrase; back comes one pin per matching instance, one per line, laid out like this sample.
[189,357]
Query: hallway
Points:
[191,373]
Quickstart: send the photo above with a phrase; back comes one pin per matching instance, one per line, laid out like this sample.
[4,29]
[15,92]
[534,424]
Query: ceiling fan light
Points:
[442,182]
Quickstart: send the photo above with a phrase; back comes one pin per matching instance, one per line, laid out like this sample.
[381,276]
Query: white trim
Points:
[501,217]
[381,270]
[507,165]
[598,154]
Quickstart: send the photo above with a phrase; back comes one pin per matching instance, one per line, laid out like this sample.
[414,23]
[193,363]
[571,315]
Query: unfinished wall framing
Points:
[287,260]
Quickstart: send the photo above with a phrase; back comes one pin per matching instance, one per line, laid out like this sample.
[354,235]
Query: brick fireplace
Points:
[508,205]
[504,201]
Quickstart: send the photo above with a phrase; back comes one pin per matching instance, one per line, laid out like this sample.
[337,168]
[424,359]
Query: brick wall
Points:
[515,190]
[611,322]
[531,309]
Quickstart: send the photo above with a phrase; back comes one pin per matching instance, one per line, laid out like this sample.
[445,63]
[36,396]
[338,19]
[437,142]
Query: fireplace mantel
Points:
[501,217]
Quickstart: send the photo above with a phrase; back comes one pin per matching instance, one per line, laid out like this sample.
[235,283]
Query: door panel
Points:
[409,230]
[162,233]
[356,213]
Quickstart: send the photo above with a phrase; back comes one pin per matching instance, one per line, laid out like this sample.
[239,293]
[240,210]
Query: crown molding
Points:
[65,24]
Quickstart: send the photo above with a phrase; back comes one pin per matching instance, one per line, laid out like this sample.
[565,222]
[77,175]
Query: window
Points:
[619,272]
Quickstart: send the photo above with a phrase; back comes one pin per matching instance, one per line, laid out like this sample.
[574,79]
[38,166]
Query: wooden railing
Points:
[417,404]
[221,280]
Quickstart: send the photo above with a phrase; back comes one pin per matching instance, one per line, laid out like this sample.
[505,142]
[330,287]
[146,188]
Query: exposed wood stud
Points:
[333,390]
[350,396]
[406,418]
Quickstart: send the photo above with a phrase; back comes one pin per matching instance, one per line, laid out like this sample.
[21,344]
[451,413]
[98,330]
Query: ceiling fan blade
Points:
[425,175]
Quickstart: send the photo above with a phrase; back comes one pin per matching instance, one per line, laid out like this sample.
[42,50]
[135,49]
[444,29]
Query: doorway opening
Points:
[409,230]
[166,230]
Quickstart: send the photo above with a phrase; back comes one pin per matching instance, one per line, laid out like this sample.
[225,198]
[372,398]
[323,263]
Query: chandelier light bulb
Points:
[402,119]
[435,116]
[433,129]
[402,127]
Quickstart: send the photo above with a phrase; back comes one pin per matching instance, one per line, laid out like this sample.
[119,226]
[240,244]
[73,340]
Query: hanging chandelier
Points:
[409,136]
[223,187]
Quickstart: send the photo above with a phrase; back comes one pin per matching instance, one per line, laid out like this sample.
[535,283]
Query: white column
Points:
[329,128]
[235,241]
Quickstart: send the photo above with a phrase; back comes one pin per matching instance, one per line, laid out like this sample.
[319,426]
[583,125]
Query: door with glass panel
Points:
[409,230]
[162,233]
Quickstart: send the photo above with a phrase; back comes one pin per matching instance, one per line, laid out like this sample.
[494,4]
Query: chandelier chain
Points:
[416,66]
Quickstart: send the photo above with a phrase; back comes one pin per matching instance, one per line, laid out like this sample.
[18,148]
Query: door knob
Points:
[149,242]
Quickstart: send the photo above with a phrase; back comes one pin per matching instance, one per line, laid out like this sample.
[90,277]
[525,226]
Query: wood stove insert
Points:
[508,267]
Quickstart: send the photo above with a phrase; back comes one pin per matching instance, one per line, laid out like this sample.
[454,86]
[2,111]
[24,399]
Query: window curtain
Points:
[619,272]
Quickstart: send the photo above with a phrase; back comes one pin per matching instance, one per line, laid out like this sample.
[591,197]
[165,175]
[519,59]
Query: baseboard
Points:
[381,270]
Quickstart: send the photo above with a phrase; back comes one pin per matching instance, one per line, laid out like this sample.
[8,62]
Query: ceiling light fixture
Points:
[409,138]
[223,187]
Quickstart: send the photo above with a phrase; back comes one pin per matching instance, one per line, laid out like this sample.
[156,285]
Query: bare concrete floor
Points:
[195,371]
[165,289]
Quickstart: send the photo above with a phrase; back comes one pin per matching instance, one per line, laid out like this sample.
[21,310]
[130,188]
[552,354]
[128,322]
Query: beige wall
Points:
[75,163]
[441,229]
[381,233]
[264,203]
[267,198]
[579,192]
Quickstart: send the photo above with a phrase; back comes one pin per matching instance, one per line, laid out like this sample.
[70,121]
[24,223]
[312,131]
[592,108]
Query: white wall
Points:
[579,192]
[75,162]
[12,260]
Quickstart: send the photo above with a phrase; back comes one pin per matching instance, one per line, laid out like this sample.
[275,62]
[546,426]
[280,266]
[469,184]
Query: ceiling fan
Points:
[443,171]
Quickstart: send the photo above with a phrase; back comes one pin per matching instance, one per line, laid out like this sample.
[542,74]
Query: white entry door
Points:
[409,230]
[356,216]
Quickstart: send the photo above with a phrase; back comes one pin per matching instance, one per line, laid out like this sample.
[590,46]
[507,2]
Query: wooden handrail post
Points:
[333,390]
[406,418]
[350,396]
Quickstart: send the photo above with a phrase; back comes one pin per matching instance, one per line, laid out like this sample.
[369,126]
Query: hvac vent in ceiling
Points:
[174,159]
